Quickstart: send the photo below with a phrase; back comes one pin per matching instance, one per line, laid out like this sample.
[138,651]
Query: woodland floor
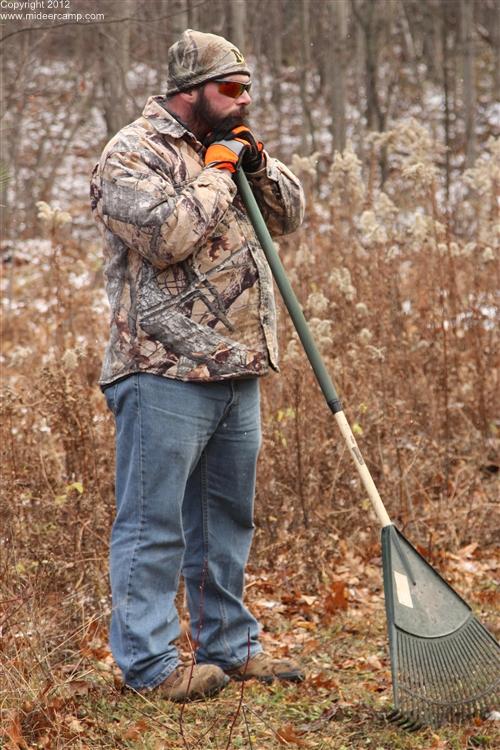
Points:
[340,637]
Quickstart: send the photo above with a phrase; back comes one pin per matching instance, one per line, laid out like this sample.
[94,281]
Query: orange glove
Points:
[225,154]
[251,160]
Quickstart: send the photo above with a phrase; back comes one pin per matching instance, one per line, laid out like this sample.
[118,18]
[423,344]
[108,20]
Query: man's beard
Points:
[205,117]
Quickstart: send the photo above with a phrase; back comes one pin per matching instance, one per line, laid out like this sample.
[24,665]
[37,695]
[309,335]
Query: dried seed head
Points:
[292,351]
[440,230]
[306,164]
[70,360]
[421,173]
[293,277]
[375,353]
[385,207]
[18,354]
[341,277]
[303,256]
[422,227]
[346,178]
[361,309]
[52,218]
[485,173]
[365,336]
[488,255]
[322,333]
[422,344]
[317,303]
[371,229]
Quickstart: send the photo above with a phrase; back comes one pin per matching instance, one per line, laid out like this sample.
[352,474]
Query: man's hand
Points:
[251,157]
[225,154]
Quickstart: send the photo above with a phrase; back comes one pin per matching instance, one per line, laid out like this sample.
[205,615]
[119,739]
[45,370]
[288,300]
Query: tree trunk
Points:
[236,23]
[468,58]
[193,15]
[446,94]
[338,23]
[178,18]
[432,37]
[276,62]
[160,43]
[115,58]
[493,14]
[306,128]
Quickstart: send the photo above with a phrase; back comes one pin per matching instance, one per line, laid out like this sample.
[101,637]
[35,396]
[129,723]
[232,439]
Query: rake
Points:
[445,664]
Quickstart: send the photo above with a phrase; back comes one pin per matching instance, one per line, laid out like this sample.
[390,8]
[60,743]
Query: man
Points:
[192,330]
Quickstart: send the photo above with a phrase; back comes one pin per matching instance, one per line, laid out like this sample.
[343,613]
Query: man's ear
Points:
[189,96]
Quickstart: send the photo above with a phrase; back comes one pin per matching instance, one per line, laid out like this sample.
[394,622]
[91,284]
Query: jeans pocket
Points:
[110,396]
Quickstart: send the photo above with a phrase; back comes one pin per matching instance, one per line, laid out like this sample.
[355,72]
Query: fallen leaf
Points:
[464,739]
[15,733]
[337,599]
[438,743]
[309,600]
[468,550]
[305,624]
[133,733]
[374,663]
[266,603]
[74,724]
[347,664]
[288,734]
[78,687]
[320,681]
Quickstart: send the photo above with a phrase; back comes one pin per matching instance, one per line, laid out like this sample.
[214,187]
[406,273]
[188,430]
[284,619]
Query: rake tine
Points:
[393,715]
[411,725]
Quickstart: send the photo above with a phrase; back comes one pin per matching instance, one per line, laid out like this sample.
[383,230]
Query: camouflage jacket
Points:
[190,291]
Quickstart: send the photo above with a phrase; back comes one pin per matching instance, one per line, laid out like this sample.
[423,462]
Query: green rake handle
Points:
[309,344]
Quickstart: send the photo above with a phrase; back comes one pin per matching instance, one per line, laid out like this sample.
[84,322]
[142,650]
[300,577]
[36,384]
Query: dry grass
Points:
[403,295]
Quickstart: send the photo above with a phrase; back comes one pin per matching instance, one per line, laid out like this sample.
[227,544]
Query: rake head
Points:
[445,664]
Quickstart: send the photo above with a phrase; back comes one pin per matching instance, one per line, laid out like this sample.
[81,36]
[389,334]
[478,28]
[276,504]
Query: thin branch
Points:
[193,659]
[238,710]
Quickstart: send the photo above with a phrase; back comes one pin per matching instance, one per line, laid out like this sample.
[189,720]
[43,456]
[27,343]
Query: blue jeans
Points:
[185,480]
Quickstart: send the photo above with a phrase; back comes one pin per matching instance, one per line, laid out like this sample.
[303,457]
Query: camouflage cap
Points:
[197,57]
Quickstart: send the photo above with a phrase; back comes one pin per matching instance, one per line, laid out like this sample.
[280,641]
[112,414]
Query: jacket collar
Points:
[156,113]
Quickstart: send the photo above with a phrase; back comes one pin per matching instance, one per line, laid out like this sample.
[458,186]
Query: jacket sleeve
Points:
[135,196]
[280,197]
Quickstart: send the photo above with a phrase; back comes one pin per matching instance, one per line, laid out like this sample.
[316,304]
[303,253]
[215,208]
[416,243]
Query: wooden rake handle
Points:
[309,344]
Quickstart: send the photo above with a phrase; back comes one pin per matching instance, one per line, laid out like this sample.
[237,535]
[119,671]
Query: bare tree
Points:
[114,43]
[307,130]
[338,20]
[193,16]
[275,52]
[468,59]
[160,46]
[236,23]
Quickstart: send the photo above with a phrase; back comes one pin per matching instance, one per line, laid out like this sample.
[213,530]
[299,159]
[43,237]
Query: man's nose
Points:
[244,99]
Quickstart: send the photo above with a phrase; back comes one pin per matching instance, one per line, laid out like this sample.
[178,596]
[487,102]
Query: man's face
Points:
[213,110]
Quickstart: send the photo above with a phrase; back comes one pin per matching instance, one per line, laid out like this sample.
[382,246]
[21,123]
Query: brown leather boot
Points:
[190,682]
[264,668]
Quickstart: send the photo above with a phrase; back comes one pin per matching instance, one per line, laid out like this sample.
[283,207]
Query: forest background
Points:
[389,112]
